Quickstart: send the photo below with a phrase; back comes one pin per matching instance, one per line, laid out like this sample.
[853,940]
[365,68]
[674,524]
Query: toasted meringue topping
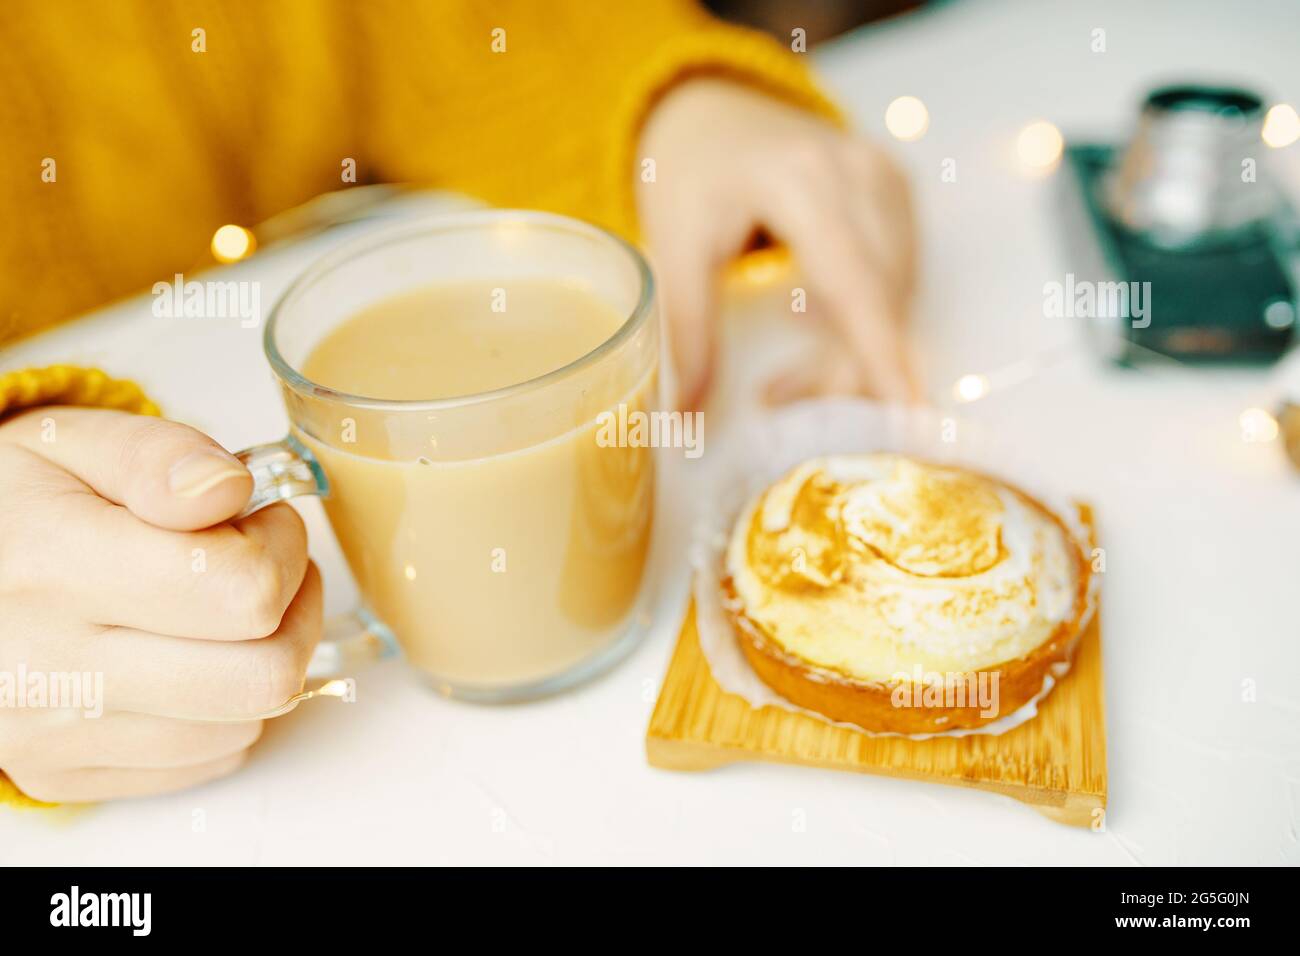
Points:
[872,564]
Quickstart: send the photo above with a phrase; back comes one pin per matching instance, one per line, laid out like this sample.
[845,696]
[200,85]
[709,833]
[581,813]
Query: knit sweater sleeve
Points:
[135,129]
[540,105]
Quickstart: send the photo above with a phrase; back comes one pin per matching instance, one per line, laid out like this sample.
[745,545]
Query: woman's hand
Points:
[116,560]
[729,161]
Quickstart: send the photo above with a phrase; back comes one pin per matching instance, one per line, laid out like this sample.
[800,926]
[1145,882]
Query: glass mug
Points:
[495,538]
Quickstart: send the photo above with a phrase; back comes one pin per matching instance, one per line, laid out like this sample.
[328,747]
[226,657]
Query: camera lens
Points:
[1216,100]
[1189,176]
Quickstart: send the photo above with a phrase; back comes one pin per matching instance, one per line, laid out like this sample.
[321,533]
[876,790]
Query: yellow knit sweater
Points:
[131,130]
[153,145]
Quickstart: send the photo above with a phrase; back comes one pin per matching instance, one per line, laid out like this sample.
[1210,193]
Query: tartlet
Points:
[903,596]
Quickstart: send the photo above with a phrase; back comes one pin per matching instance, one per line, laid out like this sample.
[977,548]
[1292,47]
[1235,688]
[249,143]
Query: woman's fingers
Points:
[165,473]
[165,676]
[169,685]
[95,784]
[879,201]
[728,160]
[846,279]
[116,532]
[95,561]
[688,300]
[142,741]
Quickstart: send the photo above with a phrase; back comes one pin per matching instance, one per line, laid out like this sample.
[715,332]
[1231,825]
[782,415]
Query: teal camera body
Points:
[1185,246]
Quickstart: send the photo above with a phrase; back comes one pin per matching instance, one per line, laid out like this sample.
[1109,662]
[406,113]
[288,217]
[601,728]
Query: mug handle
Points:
[286,469]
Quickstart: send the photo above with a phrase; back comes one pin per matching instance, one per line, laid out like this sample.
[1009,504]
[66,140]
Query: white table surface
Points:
[1200,529]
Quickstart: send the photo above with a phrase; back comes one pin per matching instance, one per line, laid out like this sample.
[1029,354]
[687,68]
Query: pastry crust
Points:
[871,704]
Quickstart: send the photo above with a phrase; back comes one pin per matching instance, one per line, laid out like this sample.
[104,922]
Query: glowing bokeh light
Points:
[231,243]
[1281,126]
[907,119]
[1257,425]
[970,388]
[1039,145]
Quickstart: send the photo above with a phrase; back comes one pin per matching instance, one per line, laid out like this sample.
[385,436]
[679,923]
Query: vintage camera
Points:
[1187,225]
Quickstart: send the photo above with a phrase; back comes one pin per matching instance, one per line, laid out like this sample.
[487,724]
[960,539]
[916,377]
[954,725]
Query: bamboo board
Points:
[1056,762]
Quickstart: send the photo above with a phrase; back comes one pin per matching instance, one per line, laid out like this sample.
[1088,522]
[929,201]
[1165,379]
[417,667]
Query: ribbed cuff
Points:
[10,795]
[71,385]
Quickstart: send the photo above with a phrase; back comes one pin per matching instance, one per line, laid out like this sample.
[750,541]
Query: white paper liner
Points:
[760,450]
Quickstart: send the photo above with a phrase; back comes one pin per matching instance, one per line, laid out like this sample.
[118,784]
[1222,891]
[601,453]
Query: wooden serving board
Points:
[1055,762]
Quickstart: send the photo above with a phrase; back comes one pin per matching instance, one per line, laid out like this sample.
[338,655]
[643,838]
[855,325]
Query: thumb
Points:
[165,473]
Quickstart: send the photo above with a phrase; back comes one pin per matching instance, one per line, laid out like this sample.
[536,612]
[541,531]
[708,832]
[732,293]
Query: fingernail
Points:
[201,472]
